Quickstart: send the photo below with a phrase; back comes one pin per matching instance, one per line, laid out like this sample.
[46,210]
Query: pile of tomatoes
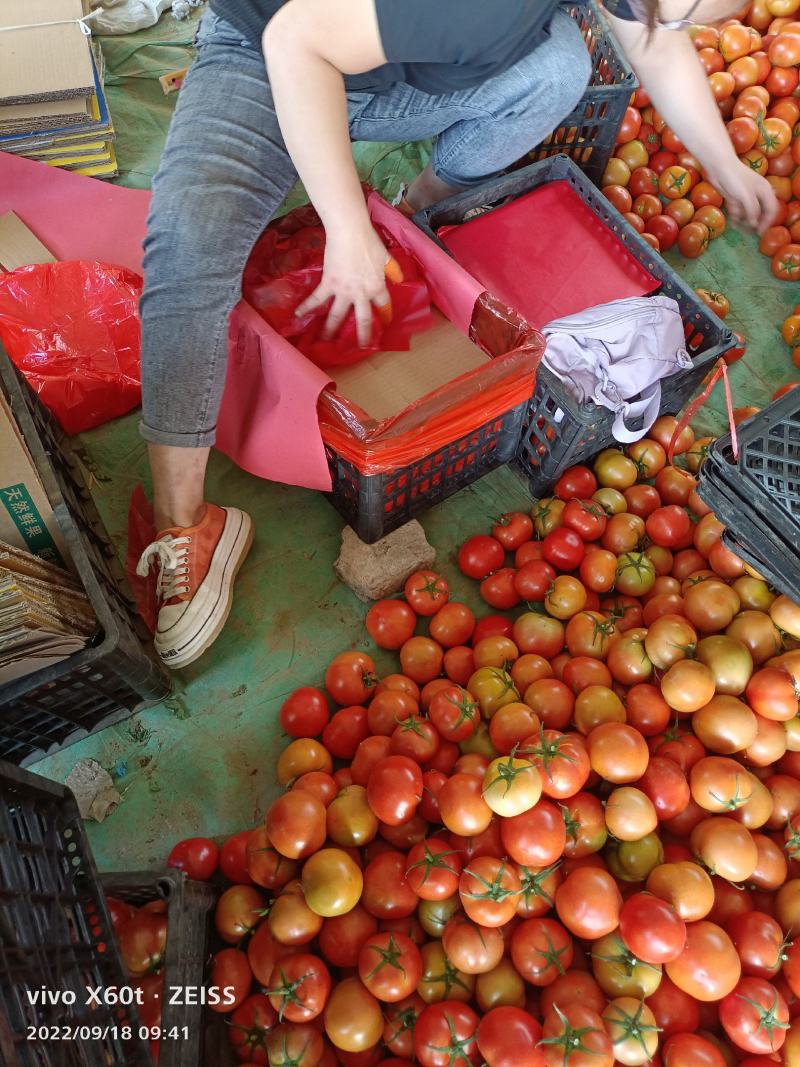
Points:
[563,834]
[753,70]
[142,938]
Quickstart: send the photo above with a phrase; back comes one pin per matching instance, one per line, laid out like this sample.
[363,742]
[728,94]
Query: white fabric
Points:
[127,16]
[615,355]
[172,556]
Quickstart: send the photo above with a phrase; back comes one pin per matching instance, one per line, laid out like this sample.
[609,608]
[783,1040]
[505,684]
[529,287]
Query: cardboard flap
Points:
[19,246]
[43,62]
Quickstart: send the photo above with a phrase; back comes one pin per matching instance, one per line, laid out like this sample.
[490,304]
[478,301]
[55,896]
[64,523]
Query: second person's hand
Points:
[749,197]
[353,276]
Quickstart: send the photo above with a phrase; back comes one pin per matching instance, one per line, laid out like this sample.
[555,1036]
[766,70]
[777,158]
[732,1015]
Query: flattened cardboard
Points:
[19,246]
[26,518]
[39,62]
[386,383]
[45,115]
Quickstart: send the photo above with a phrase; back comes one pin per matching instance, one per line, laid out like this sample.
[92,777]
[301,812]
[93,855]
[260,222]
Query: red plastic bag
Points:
[73,330]
[286,266]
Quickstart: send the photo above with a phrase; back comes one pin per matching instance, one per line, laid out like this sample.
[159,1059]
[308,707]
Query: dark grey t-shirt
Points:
[435,45]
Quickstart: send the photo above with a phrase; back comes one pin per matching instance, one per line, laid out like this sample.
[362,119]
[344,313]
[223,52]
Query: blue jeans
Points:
[225,171]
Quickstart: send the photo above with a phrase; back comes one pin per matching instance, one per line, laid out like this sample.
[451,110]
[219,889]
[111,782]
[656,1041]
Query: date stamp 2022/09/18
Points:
[95,997]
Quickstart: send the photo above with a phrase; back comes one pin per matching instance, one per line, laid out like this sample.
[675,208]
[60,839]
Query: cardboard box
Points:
[19,246]
[386,383]
[26,517]
[43,62]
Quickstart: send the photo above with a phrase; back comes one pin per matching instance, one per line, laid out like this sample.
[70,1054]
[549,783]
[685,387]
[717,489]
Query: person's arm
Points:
[667,65]
[308,46]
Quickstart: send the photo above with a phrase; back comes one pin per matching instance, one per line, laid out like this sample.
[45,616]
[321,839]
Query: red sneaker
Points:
[197,567]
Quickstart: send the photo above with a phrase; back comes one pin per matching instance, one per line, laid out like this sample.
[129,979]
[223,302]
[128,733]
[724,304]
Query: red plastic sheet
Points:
[547,255]
[73,330]
[449,413]
[286,266]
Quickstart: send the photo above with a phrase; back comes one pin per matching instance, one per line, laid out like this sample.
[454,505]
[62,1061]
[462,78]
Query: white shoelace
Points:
[172,554]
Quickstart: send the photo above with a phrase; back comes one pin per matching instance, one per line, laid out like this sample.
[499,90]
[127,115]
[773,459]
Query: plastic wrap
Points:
[285,267]
[448,413]
[73,330]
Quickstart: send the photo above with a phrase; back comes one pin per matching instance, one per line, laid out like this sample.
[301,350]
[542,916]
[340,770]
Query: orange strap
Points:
[720,371]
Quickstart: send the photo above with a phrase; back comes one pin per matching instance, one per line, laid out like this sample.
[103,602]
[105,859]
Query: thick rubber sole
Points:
[233,547]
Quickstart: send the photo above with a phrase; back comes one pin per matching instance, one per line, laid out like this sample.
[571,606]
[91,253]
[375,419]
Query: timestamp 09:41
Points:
[88,1032]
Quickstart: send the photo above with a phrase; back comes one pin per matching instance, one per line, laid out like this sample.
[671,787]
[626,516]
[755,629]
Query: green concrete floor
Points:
[202,763]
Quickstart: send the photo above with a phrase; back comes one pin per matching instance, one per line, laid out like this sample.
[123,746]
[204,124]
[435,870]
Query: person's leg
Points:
[483,130]
[223,174]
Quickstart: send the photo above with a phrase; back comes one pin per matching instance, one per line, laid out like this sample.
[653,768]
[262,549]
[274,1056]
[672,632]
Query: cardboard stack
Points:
[52,103]
[44,615]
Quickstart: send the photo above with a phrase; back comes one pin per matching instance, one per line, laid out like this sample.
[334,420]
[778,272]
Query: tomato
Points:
[353,1019]
[291,921]
[617,172]
[197,857]
[513,529]
[598,570]
[665,784]
[511,786]
[681,210]
[454,713]
[630,814]
[394,789]
[693,239]
[562,761]
[265,865]
[390,966]
[786,263]
[332,882]
[691,1050]
[452,624]
[299,987]
[296,824]
[350,821]
[588,903]
[143,938]
[498,589]
[441,980]
[421,659]
[565,597]
[708,968]
[651,929]
[342,936]
[445,1036]
[759,943]
[619,197]
[575,1036]
[617,752]
[119,912]
[345,731]
[535,838]
[538,634]
[674,182]
[250,1025]
[239,909]
[577,481]
[509,1037]
[586,517]
[635,574]
[398,1033]
[294,1045]
[305,713]
[426,592]
[433,869]
[541,949]
[459,664]
[386,893]
[480,555]
[302,756]
[472,949]
[563,548]
[462,807]
[675,1011]
[755,1016]
[493,688]
[533,579]
[647,711]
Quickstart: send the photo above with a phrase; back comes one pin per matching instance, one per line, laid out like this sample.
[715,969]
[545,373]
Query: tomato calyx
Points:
[430,586]
[286,1059]
[633,1027]
[552,955]
[449,978]
[458,1047]
[467,709]
[735,801]
[288,992]
[405,1021]
[507,773]
[767,1019]
[792,842]
[549,750]
[432,860]
[626,961]
[571,1038]
[389,957]
[494,890]
[252,1037]
[532,882]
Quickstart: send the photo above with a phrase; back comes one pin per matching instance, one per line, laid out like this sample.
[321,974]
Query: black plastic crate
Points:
[588,135]
[56,935]
[188,907]
[105,682]
[376,504]
[557,431]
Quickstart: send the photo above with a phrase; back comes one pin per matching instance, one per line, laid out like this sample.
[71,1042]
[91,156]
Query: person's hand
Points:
[353,276]
[749,197]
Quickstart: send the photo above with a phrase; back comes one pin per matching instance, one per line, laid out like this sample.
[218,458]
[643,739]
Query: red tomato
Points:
[229,967]
[577,482]
[513,529]
[668,525]
[588,902]
[426,592]
[249,1026]
[499,589]
[563,549]
[651,929]
[533,579]
[541,950]
[665,229]
[346,730]
[390,966]
[586,517]
[304,713]
[480,556]
[452,625]
[755,1016]
[350,678]
[394,789]
[196,856]
[507,1036]
[389,623]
